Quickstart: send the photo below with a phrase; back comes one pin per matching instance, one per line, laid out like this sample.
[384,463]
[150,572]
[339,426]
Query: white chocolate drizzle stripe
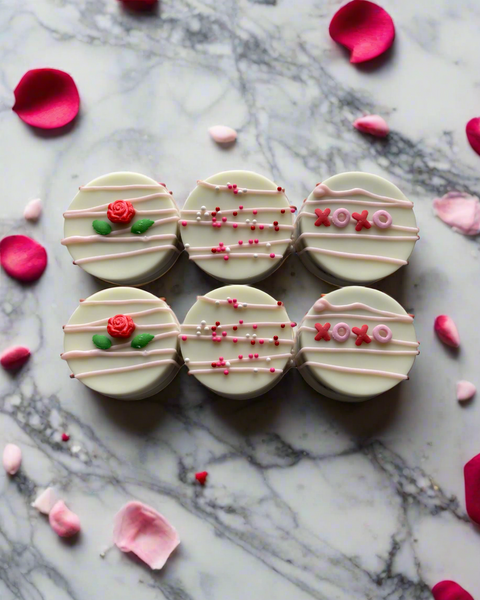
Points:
[118,188]
[240,326]
[394,227]
[141,313]
[244,360]
[354,371]
[244,245]
[229,338]
[81,261]
[241,224]
[234,255]
[322,190]
[108,353]
[105,206]
[398,342]
[96,328]
[364,236]
[140,213]
[241,190]
[129,301]
[360,351]
[147,365]
[234,370]
[240,304]
[95,239]
[398,319]
[354,256]
[325,304]
[393,203]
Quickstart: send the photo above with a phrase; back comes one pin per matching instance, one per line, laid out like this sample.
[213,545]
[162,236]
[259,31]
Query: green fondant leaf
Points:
[102,341]
[102,227]
[141,340]
[141,226]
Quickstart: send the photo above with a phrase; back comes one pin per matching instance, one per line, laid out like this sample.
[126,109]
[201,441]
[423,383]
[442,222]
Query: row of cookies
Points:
[238,226]
[353,344]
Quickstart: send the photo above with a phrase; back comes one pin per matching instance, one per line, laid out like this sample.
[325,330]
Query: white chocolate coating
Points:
[349,372]
[247,377]
[131,376]
[342,255]
[247,262]
[133,259]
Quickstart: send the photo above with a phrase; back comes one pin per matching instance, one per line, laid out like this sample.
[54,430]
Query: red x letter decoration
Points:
[361,334]
[322,331]
[361,220]
[322,217]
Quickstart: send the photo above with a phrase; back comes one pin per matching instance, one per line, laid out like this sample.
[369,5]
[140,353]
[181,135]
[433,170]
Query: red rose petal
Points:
[138,4]
[46,98]
[449,590]
[22,258]
[15,357]
[471,473]
[473,133]
[363,27]
[201,477]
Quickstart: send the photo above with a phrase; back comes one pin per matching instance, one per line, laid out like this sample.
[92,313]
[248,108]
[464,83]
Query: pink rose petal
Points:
[222,134]
[45,501]
[465,390]
[449,590]
[447,331]
[22,258]
[472,488]
[15,357]
[12,458]
[63,521]
[33,210]
[372,124]
[142,530]
[46,98]
[363,27]
[473,133]
[459,210]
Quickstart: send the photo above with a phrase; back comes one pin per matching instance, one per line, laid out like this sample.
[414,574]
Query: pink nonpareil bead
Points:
[225,372]
[255,326]
[250,242]
[241,321]
[229,300]
[240,356]
[224,219]
[220,358]
[241,207]
[255,241]
[184,338]
[261,341]
[254,211]
[224,333]
[255,355]
[234,300]
[272,369]
[261,227]
[272,255]
[240,242]
[235,340]
[235,225]
[184,223]
[250,356]
[225,257]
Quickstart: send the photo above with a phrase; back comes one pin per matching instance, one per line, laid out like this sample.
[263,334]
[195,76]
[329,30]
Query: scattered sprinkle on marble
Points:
[138,4]
[459,210]
[63,521]
[12,458]
[46,98]
[447,331]
[65,437]
[14,358]
[33,210]
[472,488]
[201,477]
[145,532]
[473,133]
[366,29]
[45,501]
[449,590]
[372,124]
[22,258]
[222,134]
[465,390]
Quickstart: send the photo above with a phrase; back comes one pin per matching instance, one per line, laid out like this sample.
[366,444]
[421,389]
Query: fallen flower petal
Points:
[465,390]
[222,134]
[15,357]
[472,488]
[447,331]
[33,210]
[45,501]
[22,258]
[459,210]
[473,133]
[12,458]
[449,590]
[145,532]
[63,521]
[46,98]
[201,477]
[372,124]
[366,29]
[138,4]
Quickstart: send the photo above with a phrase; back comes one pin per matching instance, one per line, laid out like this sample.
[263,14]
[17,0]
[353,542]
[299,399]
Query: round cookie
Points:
[237,341]
[355,343]
[237,226]
[123,228]
[355,228]
[123,342]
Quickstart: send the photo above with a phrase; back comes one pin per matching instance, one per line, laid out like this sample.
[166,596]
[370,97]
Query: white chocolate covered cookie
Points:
[122,342]
[237,341]
[355,343]
[237,226]
[355,228]
[123,228]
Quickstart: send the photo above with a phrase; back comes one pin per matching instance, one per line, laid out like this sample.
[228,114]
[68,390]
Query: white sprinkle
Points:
[227,249]
[247,335]
[244,305]
[254,336]
[199,214]
[203,208]
[217,188]
[240,191]
[207,214]
[227,364]
[254,220]
[247,220]
[255,370]
[198,333]
[217,302]
[270,341]
[270,226]
[268,359]
[268,245]
[203,322]
[186,360]
[198,218]
[255,255]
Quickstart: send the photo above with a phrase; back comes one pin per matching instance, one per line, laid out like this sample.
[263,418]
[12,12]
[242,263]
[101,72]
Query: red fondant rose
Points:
[121,326]
[120,211]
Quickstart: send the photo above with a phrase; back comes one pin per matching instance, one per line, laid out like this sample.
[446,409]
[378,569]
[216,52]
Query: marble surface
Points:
[306,498]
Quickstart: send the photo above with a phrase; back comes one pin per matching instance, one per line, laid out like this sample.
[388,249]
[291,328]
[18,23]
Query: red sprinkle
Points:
[217,323]
[275,223]
[252,227]
[217,208]
[65,437]
[235,213]
[252,342]
[201,477]
[282,325]
[279,189]
[235,328]
[279,303]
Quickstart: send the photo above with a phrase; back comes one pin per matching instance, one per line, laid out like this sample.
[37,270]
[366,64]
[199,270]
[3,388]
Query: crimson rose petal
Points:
[473,133]
[22,258]
[46,98]
[472,488]
[363,27]
[449,590]
[138,4]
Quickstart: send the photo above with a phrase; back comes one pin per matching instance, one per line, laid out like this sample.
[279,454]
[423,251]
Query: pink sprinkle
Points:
[447,331]
[255,326]
[234,300]
[292,209]
[261,226]
[229,186]
[235,186]
[234,225]
[229,300]
[220,358]
[292,324]
[221,244]
[225,372]
[241,207]
[240,242]
[272,255]
[65,437]
[254,211]
[250,242]
[235,191]
[224,333]
[240,356]
[201,477]
[184,338]
[241,321]
[260,341]
[184,223]
[222,134]
[272,370]
[235,340]
[255,355]
[224,219]
[250,356]
[255,241]
[225,257]
[465,390]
